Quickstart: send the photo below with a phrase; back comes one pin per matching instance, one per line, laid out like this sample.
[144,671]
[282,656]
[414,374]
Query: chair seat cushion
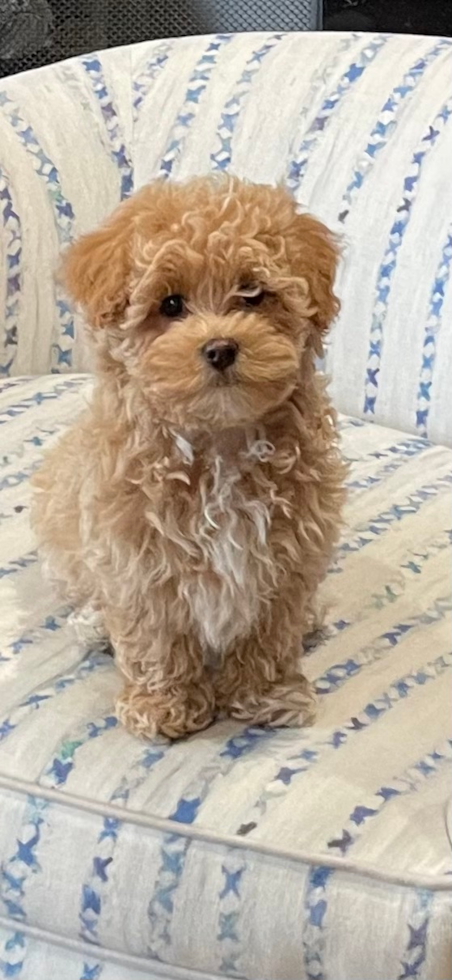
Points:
[246,852]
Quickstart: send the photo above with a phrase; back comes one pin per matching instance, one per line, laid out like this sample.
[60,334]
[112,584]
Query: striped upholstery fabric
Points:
[240,852]
[317,854]
[359,127]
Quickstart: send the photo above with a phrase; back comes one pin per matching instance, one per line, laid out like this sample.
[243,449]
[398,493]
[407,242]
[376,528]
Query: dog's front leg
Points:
[251,691]
[260,681]
[167,690]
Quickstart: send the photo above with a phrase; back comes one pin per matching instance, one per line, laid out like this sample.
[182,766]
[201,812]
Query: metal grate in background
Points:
[38,32]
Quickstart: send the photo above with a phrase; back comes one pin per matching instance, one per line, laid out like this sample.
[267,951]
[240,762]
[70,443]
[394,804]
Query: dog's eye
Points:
[254,298]
[172,306]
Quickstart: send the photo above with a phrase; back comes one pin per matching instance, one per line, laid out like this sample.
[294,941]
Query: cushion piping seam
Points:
[161,824]
[113,956]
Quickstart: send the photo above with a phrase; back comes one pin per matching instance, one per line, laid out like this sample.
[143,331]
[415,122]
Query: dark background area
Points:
[36,32]
[400,16]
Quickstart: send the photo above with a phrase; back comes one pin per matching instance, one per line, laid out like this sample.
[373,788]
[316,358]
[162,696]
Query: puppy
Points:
[195,505]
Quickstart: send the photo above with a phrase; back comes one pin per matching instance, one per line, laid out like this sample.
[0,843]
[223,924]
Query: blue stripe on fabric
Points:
[408,782]
[40,696]
[13,269]
[350,423]
[432,329]
[381,523]
[63,216]
[27,445]
[406,447]
[174,849]
[387,123]
[230,901]
[315,908]
[13,956]
[11,383]
[23,864]
[161,905]
[323,73]
[337,675]
[196,88]
[97,882]
[91,971]
[299,164]
[233,870]
[44,166]
[34,401]
[404,453]
[221,157]
[59,768]
[388,266]
[18,564]
[119,153]
[402,785]
[52,623]
[412,563]
[308,757]
[415,559]
[142,84]
[20,476]
[416,948]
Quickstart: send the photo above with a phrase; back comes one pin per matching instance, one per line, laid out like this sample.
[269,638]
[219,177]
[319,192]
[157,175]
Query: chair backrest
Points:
[358,126]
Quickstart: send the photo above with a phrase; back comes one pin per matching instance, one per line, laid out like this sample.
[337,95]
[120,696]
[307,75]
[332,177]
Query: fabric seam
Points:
[434,883]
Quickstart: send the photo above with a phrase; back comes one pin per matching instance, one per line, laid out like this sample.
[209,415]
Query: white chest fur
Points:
[233,534]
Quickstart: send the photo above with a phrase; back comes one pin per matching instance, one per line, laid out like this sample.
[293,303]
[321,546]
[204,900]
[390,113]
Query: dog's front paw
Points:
[288,702]
[174,713]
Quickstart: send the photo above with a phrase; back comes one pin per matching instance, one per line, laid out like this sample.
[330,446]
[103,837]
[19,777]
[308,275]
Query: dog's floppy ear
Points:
[96,269]
[317,256]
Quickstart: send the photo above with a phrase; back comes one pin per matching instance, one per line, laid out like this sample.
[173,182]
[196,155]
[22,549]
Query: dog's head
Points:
[209,294]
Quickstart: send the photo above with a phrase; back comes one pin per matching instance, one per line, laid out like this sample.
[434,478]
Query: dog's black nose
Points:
[220,353]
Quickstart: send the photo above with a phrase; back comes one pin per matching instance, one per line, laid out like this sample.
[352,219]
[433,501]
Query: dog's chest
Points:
[232,533]
[234,539]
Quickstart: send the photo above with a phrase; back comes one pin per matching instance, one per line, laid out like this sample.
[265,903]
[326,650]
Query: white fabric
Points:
[247,852]
[358,126]
[320,854]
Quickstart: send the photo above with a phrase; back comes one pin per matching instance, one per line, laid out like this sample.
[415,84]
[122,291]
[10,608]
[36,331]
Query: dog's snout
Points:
[220,353]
